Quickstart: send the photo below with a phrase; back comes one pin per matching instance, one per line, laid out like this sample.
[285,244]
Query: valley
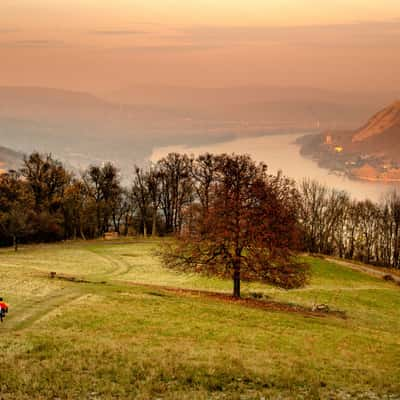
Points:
[125,126]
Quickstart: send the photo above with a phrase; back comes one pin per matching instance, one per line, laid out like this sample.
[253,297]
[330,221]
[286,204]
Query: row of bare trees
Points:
[43,201]
[334,224]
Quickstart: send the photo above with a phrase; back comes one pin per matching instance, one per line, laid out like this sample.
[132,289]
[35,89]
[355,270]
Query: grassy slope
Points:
[69,340]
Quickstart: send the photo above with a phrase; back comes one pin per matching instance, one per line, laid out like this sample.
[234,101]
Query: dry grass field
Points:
[117,333]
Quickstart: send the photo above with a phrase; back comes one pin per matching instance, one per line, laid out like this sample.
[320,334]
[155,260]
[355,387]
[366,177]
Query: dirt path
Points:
[372,271]
[118,266]
[26,314]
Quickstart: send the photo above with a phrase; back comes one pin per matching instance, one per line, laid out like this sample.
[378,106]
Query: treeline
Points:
[43,201]
[334,224]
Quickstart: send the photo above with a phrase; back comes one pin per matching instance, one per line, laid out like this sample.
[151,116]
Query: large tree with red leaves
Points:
[249,230]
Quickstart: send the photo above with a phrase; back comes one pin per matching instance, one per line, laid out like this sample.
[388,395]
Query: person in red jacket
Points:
[3,309]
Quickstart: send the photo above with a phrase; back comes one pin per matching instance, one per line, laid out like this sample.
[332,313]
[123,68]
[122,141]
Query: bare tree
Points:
[103,186]
[141,195]
[249,231]
[176,189]
[16,207]
[154,189]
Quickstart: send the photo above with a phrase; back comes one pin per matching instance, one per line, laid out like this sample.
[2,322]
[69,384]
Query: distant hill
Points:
[291,107]
[371,152]
[82,128]
[9,159]
[381,135]
[384,120]
[125,126]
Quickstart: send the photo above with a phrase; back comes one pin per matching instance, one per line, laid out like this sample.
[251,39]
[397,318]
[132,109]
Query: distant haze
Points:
[125,126]
[96,80]
[101,46]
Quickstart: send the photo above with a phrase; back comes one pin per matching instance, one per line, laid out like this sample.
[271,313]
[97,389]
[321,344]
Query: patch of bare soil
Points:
[68,278]
[267,305]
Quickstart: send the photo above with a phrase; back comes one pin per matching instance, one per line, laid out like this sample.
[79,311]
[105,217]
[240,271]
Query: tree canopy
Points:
[249,229]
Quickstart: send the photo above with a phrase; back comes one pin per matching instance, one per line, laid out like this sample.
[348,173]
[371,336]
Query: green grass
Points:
[99,341]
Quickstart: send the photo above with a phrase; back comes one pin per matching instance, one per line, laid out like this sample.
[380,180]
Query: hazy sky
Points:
[100,45]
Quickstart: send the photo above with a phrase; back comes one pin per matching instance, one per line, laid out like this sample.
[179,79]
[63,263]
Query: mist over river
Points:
[280,152]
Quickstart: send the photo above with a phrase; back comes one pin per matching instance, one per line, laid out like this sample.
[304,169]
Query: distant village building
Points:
[328,139]
[111,235]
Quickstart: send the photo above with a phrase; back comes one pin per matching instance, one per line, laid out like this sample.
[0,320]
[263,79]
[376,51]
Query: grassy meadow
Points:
[120,335]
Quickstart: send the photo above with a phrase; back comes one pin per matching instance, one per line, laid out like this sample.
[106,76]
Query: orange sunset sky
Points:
[99,45]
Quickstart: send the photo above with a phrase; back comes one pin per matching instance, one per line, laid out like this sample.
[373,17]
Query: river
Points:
[280,152]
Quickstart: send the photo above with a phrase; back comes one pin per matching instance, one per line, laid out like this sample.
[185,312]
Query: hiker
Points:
[3,309]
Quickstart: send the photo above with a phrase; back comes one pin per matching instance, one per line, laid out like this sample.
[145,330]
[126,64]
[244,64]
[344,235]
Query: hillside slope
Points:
[381,122]
[381,135]
[113,338]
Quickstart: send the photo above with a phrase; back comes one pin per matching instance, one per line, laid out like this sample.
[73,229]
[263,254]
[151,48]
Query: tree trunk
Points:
[154,227]
[15,243]
[236,281]
[144,229]
[81,231]
[126,226]
[74,235]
